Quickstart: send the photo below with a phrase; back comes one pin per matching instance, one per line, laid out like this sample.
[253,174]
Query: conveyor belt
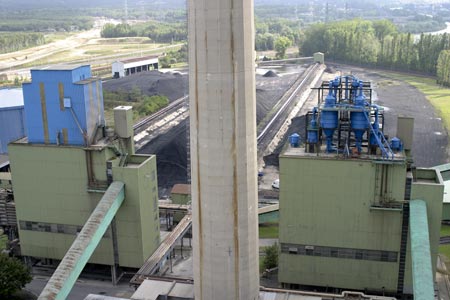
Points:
[155,261]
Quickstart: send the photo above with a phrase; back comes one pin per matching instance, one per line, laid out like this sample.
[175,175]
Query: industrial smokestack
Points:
[223,149]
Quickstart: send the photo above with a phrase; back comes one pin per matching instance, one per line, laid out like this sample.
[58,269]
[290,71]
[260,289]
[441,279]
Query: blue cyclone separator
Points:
[358,119]
[422,271]
[329,118]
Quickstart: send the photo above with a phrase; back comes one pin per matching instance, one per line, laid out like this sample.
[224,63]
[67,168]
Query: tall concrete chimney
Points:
[223,149]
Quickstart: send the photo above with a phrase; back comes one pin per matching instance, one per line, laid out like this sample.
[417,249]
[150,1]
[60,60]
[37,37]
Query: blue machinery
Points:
[348,121]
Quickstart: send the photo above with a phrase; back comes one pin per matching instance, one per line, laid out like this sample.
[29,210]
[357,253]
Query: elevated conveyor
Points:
[423,284]
[65,276]
[157,259]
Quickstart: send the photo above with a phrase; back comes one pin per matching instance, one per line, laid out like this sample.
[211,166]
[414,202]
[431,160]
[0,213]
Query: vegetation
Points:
[157,32]
[443,68]
[14,275]
[268,231]
[268,33]
[119,30]
[45,20]
[10,42]
[270,259]
[3,241]
[438,96]
[375,43]
[143,105]
[445,230]
[174,57]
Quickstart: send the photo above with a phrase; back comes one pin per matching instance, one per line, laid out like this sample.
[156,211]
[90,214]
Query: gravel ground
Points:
[398,98]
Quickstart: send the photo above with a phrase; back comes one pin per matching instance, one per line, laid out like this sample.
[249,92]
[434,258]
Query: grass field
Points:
[438,96]
[268,231]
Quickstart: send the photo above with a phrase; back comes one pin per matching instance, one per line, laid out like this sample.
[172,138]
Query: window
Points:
[337,252]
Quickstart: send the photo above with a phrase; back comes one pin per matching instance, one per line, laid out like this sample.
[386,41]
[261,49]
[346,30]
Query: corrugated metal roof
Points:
[4,160]
[184,189]
[11,98]
[138,59]
[61,67]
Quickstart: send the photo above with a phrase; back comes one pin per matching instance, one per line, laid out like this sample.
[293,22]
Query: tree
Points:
[281,44]
[443,68]
[271,256]
[13,276]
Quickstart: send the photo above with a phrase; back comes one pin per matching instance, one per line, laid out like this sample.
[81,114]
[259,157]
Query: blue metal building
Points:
[63,105]
[12,121]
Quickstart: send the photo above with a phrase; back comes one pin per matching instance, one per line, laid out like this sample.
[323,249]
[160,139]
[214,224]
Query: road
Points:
[15,59]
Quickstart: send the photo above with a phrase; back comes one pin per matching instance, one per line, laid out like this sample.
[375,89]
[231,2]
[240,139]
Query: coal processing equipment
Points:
[351,201]
[347,120]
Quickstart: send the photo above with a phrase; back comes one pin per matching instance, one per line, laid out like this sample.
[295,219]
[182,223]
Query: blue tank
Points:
[396,144]
[294,140]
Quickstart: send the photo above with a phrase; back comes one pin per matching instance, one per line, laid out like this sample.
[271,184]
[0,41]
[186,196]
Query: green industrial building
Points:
[59,181]
[345,207]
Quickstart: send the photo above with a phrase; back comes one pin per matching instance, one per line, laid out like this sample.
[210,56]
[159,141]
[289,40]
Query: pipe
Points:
[83,133]
[422,271]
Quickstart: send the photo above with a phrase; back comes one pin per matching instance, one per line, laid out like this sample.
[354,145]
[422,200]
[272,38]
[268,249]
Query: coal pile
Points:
[171,85]
[270,74]
[171,148]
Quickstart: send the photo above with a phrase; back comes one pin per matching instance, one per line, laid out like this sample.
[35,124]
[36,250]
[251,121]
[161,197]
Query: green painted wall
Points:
[445,211]
[326,202]
[51,185]
[138,218]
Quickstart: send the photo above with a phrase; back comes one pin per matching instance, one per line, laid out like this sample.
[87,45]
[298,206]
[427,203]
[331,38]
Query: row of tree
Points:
[269,33]
[375,43]
[10,42]
[157,32]
[44,20]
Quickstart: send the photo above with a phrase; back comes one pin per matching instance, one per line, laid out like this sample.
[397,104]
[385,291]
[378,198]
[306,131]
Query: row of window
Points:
[53,228]
[349,253]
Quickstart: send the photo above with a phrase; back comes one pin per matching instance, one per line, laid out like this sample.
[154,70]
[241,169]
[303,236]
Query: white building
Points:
[134,65]
[12,118]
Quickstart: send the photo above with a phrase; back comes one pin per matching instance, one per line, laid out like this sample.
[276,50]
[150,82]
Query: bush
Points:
[271,257]
[14,275]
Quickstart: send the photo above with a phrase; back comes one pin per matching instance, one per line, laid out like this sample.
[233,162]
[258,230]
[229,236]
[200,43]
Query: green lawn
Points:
[438,96]
[445,230]
[268,231]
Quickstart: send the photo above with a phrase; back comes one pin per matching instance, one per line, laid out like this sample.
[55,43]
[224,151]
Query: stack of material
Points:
[7,210]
